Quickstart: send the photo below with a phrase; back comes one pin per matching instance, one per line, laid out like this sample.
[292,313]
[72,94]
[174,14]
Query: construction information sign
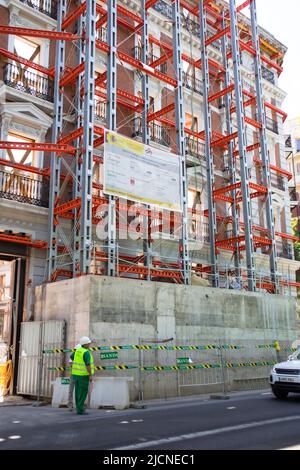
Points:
[141,173]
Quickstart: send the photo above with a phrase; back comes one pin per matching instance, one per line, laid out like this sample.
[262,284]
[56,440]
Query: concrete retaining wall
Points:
[110,308]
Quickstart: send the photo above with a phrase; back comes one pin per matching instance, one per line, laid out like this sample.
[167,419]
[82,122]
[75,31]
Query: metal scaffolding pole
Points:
[112,124]
[208,152]
[261,118]
[242,146]
[146,131]
[180,138]
[56,132]
[88,137]
[78,172]
[231,158]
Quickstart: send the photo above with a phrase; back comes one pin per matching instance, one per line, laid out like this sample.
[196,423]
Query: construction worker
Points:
[82,373]
[72,382]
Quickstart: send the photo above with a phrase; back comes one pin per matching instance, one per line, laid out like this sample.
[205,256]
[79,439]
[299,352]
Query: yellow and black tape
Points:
[148,347]
[158,368]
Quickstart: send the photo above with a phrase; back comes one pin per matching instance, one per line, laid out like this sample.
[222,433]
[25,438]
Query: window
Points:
[191,122]
[27,49]
[298,145]
[20,156]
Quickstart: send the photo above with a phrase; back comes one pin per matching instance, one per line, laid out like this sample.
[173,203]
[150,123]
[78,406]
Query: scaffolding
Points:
[77,202]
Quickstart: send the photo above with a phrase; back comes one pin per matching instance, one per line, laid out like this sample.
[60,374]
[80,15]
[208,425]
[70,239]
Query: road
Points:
[249,420]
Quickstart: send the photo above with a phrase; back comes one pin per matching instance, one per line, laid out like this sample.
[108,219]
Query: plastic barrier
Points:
[106,391]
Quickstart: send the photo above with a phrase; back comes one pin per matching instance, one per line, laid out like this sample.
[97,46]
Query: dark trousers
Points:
[81,391]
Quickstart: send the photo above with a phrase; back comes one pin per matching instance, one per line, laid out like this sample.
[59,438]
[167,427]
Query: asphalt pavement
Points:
[247,421]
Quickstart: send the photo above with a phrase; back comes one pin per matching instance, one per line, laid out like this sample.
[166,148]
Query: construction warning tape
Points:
[266,346]
[147,347]
[216,365]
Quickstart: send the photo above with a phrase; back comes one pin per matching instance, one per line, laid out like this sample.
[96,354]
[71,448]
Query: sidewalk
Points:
[15,400]
[18,400]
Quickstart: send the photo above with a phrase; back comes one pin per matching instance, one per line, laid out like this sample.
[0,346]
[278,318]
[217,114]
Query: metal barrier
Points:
[169,368]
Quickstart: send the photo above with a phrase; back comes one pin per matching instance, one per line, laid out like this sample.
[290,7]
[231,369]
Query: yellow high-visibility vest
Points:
[78,364]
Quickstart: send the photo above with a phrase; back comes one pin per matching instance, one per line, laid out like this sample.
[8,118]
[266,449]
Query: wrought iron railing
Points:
[192,83]
[194,147]
[28,81]
[48,7]
[137,54]
[268,75]
[186,22]
[27,189]
[100,110]
[158,133]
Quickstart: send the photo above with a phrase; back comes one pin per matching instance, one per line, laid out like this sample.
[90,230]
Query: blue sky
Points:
[281,18]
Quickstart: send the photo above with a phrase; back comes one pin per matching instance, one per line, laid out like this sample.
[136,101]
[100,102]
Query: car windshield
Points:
[296,355]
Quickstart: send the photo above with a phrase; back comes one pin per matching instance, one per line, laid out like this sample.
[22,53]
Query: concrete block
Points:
[60,393]
[110,391]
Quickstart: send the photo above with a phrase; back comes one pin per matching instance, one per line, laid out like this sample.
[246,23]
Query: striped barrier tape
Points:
[266,346]
[148,347]
[216,365]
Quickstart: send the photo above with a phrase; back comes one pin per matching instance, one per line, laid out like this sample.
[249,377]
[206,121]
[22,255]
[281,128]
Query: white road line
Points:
[267,393]
[231,407]
[211,432]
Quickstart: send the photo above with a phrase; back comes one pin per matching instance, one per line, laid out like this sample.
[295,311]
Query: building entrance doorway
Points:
[12,292]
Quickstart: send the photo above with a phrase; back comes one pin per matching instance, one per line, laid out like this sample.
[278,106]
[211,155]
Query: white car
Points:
[285,376]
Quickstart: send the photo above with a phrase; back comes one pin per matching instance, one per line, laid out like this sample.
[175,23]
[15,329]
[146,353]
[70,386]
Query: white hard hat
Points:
[77,346]
[85,340]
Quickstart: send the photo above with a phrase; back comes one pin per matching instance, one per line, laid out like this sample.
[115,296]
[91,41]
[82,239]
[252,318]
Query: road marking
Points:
[124,422]
[211,432]
[231,407]
[15,422]
[267,393]
[137,420]
[14,437]
[1,439]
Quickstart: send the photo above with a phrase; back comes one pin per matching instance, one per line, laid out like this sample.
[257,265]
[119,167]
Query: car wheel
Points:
[281,394]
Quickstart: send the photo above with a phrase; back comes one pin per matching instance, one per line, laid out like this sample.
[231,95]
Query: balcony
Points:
[48,7]
[137,54]
[192,83]
[31,82]
[100,110]
[272,125]
[194,147]
[26,189]
[158,133]
[268,75]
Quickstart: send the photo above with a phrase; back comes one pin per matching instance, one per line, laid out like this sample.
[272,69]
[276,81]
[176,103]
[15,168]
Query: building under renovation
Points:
[140,139]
